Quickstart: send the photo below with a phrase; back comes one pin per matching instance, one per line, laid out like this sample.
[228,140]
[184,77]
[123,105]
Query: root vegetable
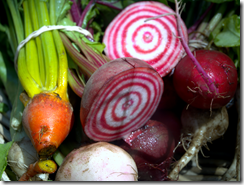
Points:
[170,99]
[192,88]
[44,115]
[198,128]
[205,79]
[42,67]
[132,34]
[152,149]
[118,98]
[98,162]
[171,120]
[41,166]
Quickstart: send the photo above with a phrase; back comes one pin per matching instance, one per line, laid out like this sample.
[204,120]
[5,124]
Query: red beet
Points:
[152,150]
[192,88]
[154,41]
[170,98]
[171,120]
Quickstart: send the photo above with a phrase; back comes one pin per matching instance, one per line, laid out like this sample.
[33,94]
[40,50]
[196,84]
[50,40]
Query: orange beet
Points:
[47,119]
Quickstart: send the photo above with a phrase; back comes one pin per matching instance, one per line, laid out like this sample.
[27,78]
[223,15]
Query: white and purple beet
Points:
[99,161]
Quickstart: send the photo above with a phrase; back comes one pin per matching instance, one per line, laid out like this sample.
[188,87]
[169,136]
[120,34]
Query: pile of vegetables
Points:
[109,90]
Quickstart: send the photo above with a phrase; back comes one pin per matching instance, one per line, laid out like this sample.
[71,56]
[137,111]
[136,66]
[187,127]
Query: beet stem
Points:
[87,8]
[109,5]
[75,11]
[204,75]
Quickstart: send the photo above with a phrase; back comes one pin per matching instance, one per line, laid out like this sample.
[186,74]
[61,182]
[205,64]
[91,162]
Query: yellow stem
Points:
[63,67]
[63,62]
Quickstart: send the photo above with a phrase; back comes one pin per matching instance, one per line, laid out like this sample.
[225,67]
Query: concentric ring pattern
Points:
[124,104]
[155,41]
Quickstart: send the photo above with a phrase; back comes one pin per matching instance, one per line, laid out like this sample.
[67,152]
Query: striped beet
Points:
[119,98]
[154,41]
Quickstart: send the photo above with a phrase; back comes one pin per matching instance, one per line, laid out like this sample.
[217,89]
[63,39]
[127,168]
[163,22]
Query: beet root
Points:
[99,161]
[171,120]
[152,150]
[191,86]
[47,120]
[119,97]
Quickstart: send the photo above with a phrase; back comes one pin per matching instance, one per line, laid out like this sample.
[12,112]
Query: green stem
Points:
[31,50]
[58,157]
[36,26]
[201,27]
[16,19]
[217,29]
[11,36]
[216,19]
[48,45]
[30,86]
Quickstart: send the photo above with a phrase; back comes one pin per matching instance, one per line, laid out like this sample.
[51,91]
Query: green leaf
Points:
[61,8]
[11,174]
[96,46]
[97,31]
[3,107]
[230,35]
[8,76]
[4,148]
[90,15]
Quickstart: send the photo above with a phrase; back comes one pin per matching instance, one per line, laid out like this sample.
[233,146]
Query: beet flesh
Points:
[192,88]
[118,98]
[154,41]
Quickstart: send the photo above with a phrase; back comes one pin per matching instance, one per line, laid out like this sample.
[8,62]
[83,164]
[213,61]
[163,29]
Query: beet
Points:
[192,88]
[170,99]
[152,150]
[171,120]
[118,98]
[131,34]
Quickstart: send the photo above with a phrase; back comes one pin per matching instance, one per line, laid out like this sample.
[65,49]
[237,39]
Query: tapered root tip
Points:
[47,151]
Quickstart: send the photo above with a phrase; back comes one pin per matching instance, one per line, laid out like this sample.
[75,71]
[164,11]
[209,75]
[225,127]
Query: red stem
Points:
[75,11]
[209,82]
[87,8]
[109,5]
